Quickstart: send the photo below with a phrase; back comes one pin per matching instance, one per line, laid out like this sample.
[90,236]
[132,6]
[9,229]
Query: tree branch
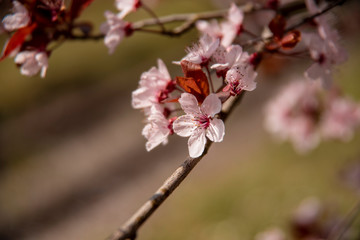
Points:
[130,228]
[188,19]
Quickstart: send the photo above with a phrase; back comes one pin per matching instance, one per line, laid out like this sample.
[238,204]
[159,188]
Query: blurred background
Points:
[73,163]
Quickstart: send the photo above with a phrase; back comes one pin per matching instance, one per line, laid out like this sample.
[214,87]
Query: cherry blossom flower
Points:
[340,119]
[239,78]
[154,86]
[294,115]
[329,35]
[227,30]
[115,29]
[19,19]
[127,6]
[32,62]
[201,52]
[324,59]
[211,28]
[324,48]
[225,58]
[158,128]
[308,212]
[233,26]
[199,122]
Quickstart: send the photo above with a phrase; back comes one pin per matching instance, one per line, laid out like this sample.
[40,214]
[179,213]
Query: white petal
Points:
[20,18]
[163,70]
[211,105]
[229,34]
[216,131]
[212,48]
[202,26]
[141,98]
[235,15]
[234,54]
[189,104]
[155,135]
[184,125]
[196,143]
[156,140]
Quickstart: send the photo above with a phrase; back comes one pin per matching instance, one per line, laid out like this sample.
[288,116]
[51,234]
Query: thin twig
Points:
[308,19]
[338,231]
[151,12]
[130,228]
[332,5]
[188,19]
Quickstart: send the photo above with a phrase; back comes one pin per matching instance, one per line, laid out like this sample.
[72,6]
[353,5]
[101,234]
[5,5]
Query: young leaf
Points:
[17,40]
[195,80]
[277,26]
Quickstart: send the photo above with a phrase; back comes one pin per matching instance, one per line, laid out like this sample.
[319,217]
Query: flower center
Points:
[203,121]
[235,88]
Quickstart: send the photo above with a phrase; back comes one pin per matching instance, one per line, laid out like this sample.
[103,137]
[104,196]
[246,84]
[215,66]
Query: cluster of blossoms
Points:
[307,115]
[312,219]
[304,113]
[33,25]
[158,93]
[324,48]
[31,61]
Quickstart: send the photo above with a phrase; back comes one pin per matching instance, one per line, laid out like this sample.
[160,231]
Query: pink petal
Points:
[189,104]
[184,125]
[141,98]
[163,70]
[211,105]
[229,33]
[20,18]
[196,143]
[216,131]
[236,15]
[234,54]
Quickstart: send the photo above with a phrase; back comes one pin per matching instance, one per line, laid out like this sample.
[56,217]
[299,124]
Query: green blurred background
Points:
[73,163]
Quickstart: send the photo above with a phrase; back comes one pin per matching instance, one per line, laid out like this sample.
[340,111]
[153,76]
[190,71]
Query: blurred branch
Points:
[331,5]
[189,20]
[339,231]
[130,228]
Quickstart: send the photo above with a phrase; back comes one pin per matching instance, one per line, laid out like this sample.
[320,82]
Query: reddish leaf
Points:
[277,26]
[171,100]
[77,6]
[17,40]
[195,80]
[290,40]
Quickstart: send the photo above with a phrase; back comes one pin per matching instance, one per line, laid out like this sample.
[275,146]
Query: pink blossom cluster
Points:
[116,28]
[31,61]
[158,94]
[304,114]
[324,47]
[33,25]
